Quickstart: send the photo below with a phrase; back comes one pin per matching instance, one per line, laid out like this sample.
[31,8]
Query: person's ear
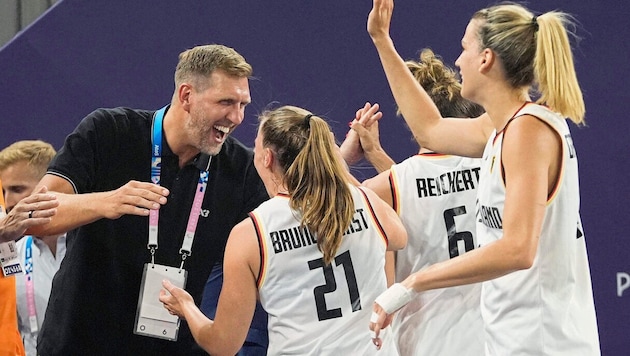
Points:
[488,58]
[184,95]
[268,158]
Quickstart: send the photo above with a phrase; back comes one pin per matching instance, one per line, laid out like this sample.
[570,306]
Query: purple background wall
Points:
[86,54]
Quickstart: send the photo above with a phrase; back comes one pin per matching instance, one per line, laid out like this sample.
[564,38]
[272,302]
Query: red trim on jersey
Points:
[432,154]
[395,192]
[261,250]
[510,120]
[378,223]
[556,184]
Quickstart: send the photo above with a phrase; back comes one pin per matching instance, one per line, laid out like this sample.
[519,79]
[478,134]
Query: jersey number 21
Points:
[344,260]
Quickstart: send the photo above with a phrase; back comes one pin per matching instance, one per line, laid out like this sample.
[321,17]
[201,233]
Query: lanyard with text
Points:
[156,165]
[29,283]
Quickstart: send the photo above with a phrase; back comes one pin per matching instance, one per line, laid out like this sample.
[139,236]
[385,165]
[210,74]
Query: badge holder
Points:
[152,319]
[9,259]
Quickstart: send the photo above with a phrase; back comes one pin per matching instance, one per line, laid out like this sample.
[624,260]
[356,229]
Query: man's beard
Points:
[210,149]
[204,137]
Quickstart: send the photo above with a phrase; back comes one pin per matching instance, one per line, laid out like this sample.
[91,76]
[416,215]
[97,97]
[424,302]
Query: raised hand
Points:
[366,127]
[380,18]
[351,148]
[368,136]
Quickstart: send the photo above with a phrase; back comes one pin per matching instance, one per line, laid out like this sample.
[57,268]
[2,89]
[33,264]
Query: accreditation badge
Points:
[9,259]
[152,319]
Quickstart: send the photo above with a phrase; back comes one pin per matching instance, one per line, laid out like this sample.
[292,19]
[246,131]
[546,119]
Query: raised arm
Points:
[374,152]
[74,210]
[381,186]
[531,171]
[450,136]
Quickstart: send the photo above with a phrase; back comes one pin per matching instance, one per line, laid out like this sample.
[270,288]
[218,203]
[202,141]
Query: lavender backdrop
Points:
[86,54]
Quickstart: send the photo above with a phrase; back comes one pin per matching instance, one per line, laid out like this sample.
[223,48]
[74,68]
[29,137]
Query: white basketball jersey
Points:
[317,309]
[434,195]
[547,309]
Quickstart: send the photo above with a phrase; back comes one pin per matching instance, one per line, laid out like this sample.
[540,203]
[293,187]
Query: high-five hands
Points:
[351,148]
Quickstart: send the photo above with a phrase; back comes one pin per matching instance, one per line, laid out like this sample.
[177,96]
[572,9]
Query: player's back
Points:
[434,195]
[314,308]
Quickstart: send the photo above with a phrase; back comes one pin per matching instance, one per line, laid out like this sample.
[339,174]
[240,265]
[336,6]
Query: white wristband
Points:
[374,317]
[395,297]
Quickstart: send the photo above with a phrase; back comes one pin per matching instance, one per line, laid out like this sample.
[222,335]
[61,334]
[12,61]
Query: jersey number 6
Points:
[455,236]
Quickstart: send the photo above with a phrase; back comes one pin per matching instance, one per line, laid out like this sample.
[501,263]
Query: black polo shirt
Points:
[94,297]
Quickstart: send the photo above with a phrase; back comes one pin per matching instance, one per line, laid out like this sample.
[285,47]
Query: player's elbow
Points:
[522,256]
[523,261]
[219,343]
[398,240]
[217,349]
[403,239]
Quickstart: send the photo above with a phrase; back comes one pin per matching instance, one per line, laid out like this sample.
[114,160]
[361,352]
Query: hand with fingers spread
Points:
[34,210]
[134,198]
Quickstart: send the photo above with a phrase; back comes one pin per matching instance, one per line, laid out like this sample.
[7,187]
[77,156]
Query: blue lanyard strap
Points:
[156,145]
[29,283]
[28,255]
[156,170]
[156,167]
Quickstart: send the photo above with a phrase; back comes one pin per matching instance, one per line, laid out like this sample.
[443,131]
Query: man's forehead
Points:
[18,171]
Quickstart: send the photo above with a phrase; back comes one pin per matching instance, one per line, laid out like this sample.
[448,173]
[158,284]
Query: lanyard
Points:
[30,287]
[156,167]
